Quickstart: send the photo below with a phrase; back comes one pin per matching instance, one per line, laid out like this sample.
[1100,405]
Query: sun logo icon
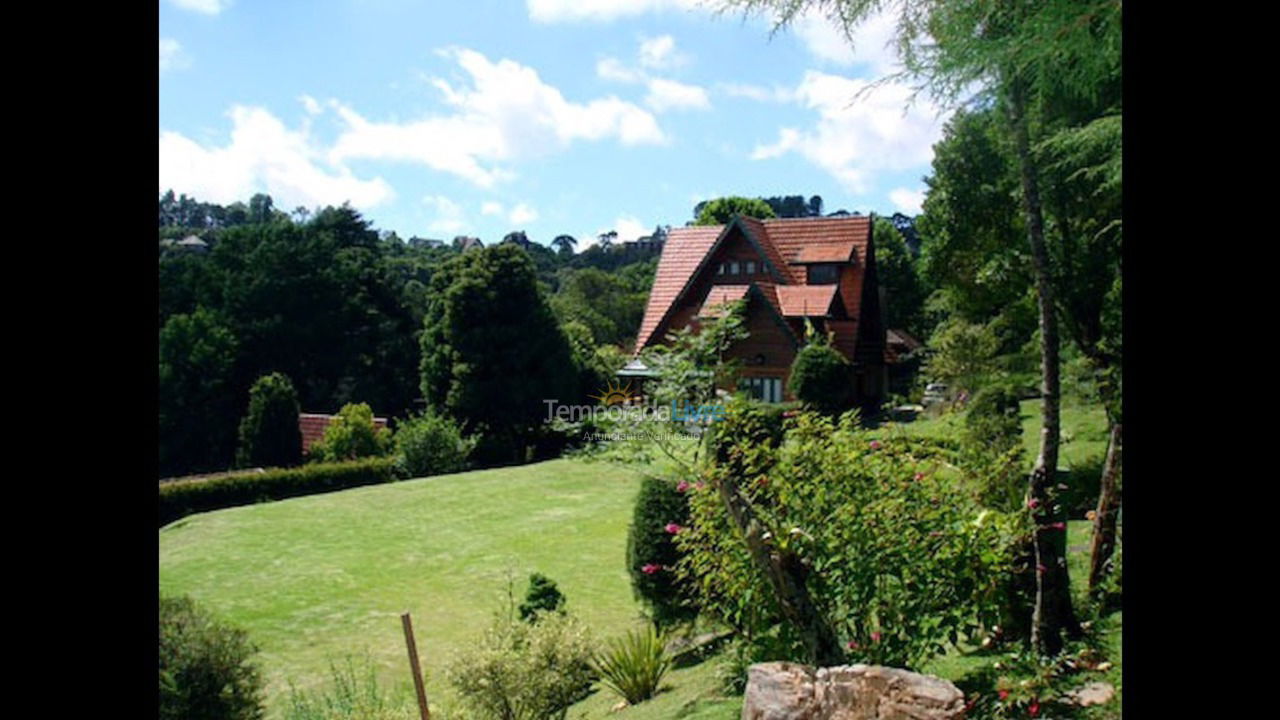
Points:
[614,395]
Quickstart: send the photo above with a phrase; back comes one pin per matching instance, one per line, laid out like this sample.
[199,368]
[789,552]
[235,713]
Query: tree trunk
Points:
[786,575]
[1104,519]
[1053,613]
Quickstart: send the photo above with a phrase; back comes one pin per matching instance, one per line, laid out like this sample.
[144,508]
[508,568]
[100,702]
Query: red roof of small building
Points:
[313,426]
[719,296]
[784,242]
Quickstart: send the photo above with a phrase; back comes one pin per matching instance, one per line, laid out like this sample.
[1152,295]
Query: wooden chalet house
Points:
[822,269]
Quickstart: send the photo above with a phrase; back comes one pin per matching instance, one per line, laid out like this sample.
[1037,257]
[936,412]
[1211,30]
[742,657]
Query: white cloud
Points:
[857,134]
[664,94]
[208,7]
[521,214]
[491,208]
[263,156]
[907,200]
[629,228]
[449,216]
[507,113]
[550,11]
[668,94]
[659,53]
[311,104]
[871,45]
[612,69]
[757,92]
[171,55]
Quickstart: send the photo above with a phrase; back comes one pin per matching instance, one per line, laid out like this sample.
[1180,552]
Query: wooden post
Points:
[423,710]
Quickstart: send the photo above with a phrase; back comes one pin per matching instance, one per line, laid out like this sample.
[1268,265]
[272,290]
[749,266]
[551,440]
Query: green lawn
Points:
[319,577]
[1084,430]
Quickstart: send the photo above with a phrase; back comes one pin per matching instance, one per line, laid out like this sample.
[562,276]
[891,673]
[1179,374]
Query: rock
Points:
[789,691]
[1095,693]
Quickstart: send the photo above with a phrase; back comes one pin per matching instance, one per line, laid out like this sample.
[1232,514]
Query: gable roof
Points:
[784,244]
[806,300]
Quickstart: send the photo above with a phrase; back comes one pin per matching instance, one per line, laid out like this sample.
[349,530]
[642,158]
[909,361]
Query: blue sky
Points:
[551,116]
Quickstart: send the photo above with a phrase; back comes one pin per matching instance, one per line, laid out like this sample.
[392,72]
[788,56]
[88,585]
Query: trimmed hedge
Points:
[185,497]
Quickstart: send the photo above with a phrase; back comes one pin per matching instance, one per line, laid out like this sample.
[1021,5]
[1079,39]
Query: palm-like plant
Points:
[633,666]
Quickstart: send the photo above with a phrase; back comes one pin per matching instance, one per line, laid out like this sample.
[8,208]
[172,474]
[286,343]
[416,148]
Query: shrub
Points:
[431,444]
[205,668]
[899,560]
[350,435]
[350,695]
[821,378]
[661,511]
[269,432]
[633,665]
[993,417]
[184,497]
[523,671]
[542,597]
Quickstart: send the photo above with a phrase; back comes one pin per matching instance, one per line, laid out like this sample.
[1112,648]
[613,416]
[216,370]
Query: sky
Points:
[576,117]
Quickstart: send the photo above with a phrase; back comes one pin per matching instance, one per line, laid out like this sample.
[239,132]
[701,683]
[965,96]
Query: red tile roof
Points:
[313,426]
[784,243]
[719,296]
[806,300]
[685,249]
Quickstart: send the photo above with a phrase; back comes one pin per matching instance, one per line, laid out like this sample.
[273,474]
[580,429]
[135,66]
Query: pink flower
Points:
[1003,694]
[1059,526]
[935,533]
[682,486]
[673,528]
[1034,708]
[650,568]
[875,444]
[919,476]
[1033,503]
[699,485]
[1042,569]
[875,636]
[852,644]
[789,413]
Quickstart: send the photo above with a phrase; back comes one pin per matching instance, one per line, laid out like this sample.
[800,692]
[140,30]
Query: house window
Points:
[823,274]
[720,270]
[767,389]
[733,267]
[751,267]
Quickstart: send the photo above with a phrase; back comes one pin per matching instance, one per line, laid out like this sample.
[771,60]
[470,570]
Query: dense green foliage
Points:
[633,665]
[900,559]
[898,274]
[720,210]
[207,670]
[993,418]
[350,435]
[524,671]
[822,378]
[269,433]
[542,596]
[661,512]
[184,497]
[197,406]
[492,351]
[431,444]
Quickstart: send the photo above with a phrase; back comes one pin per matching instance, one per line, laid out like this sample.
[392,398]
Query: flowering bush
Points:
[661,511]
[899,560]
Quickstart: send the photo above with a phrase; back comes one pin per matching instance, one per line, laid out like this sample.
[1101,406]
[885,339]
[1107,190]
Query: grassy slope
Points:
[313,578]
[317,577]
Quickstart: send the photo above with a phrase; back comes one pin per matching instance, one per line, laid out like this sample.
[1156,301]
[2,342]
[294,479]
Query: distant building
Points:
[464,243]
[190,243]
[313,426]
[648,243]
[418,242]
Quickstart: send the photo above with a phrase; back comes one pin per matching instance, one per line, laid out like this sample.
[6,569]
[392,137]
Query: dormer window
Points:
[751,267]
[824,274]
[720,270]
[733,267]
